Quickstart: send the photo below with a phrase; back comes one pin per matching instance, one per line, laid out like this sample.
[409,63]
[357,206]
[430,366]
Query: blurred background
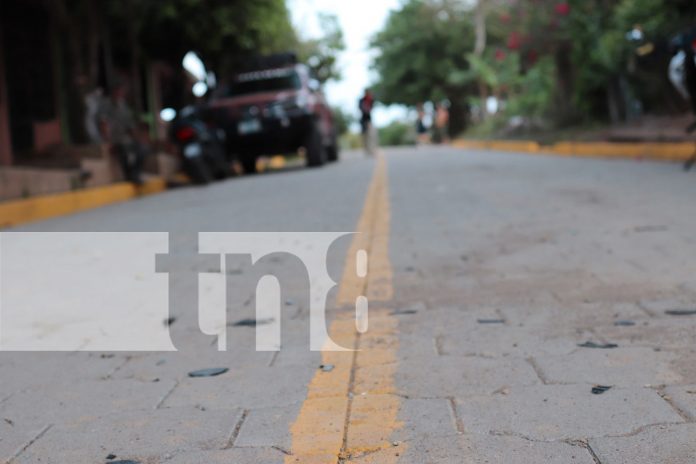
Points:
[439,69]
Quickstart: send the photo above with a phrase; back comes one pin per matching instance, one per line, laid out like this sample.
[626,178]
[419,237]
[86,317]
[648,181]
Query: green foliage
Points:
[522,94]
[567,61]
[351,141]
[534,91]
[321,54]
[342,120]
[482,69]
[422,52]
[224,32]
[397,133]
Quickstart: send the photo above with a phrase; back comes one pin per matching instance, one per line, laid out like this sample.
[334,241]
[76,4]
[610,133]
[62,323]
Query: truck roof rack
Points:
[277,60]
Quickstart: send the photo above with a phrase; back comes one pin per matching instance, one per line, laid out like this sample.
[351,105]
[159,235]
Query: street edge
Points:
[654,151]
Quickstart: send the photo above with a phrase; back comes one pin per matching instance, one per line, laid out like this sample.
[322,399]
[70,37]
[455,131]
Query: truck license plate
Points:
[250,126]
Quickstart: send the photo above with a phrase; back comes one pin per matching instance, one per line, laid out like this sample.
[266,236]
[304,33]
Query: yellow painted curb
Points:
[526,146]
[17,212]
[661,151]
[276,162]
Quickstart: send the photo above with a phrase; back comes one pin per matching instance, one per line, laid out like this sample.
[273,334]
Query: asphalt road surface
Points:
[505,291]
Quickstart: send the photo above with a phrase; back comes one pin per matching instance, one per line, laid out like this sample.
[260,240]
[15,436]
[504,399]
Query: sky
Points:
[360,20]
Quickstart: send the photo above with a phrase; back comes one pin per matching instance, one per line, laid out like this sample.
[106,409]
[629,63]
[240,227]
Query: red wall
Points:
[5,142]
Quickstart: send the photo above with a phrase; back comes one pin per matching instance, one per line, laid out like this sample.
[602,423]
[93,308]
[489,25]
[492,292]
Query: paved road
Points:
[487,271]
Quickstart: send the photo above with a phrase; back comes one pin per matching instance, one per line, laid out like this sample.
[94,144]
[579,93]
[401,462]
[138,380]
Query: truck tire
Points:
[199,172]
[316,152]
[249,165]
[218,162]
[332,150]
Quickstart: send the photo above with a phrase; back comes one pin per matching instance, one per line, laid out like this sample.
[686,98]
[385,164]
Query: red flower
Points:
[532,57]
[514,41]
[500,55]
[562,9]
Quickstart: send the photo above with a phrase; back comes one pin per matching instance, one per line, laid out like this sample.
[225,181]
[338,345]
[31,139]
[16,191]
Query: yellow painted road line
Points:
[17,212]
[338,421]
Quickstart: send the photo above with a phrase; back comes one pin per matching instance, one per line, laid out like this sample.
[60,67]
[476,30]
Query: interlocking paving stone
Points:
[513,450]
[556,412]
[231,456]
[84,400]
[657,333]
[664,444]
[16,434]
[684,398]
[628,367]
[247,389]
[446,376]
[478,449]
[267,427]
[145,435]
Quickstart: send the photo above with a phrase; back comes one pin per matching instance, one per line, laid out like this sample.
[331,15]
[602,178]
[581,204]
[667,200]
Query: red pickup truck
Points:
[275,110]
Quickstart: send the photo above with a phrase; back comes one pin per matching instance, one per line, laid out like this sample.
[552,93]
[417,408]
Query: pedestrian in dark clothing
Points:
[421,129]
[365,104]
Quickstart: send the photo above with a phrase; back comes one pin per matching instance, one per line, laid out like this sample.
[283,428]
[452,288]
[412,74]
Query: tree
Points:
[321,54]
[224,32]
[397,133]
[421,56]
[608,72]
[595,66]
[95,38]
[342,120]
[480,47]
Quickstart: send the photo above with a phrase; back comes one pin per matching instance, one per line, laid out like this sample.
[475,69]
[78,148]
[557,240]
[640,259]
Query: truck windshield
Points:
[264,81]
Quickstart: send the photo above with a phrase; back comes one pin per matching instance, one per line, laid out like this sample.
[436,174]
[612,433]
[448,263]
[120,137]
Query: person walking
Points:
[365,104]
[421,128]
[441,123]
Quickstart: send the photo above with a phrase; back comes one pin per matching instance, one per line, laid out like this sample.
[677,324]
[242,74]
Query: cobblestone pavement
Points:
[513,288]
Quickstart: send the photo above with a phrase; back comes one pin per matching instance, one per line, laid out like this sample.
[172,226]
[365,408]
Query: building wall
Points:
[5,141]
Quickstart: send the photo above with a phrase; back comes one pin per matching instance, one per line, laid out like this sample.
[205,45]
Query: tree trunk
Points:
[564,90]
[459,113]
[93,41]
[479,48]
[615,101]
[71,71]
[135,77]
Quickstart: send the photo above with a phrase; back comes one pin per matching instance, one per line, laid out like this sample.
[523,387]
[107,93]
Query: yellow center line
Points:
[351,411]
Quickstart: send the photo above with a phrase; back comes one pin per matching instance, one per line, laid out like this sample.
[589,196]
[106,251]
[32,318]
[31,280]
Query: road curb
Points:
[18,212]
[658,151]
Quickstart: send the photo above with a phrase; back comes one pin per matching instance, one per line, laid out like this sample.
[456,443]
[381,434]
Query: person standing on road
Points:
[421,129]
[118,129]
[365,104]
[440,123]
